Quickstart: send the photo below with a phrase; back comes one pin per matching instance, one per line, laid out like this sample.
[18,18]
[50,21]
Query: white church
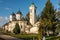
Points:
[31,27]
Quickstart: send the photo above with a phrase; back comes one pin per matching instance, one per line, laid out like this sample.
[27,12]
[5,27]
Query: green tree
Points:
[40,32]
[27,17]
[47,18]
[38,17]
[58,15]
[16,29]
[57,28]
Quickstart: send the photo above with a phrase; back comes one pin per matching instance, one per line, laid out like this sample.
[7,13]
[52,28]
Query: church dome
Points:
[19,12]
[12,14]
[33,5]
[19,15]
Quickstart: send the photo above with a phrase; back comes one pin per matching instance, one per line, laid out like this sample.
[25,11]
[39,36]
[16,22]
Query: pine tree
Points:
[47,19]
[16,29]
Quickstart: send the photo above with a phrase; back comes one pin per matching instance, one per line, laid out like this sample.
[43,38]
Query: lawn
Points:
[20,35]
[24,36]
[31,36]
[53,38]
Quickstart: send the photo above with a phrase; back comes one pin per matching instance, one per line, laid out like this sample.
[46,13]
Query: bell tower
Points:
[12,17]
[32,10]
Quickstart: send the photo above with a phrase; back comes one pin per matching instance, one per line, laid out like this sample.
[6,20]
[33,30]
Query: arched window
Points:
[21,26]
[31,10]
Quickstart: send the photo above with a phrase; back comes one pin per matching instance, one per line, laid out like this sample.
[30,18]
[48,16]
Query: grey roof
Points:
[33,5]
[12,13]
[19,12]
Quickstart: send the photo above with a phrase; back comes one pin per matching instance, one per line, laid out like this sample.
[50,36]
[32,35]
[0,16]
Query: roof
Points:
[33,4]
[19,12]
[12,13]
[6,24]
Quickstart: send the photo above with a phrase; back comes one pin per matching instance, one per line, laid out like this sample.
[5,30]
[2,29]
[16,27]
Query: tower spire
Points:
[33,4]
[32,10]
[32,1]
[48,0]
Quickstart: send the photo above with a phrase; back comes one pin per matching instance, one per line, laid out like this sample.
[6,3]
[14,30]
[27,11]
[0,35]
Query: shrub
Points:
[16,29]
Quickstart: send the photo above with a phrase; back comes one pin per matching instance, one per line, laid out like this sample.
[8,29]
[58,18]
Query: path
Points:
[7,37]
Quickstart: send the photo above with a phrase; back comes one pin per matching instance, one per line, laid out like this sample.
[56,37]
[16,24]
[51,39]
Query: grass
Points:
[33,35]
[22,35]
[53,38]
[29,36]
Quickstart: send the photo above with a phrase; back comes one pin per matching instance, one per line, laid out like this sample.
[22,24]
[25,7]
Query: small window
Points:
[21,26]
[31,10]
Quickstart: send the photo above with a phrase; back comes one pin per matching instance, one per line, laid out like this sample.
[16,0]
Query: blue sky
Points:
[9,6]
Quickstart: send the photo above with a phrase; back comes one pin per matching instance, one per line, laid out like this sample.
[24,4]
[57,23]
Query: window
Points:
[31,10]
[21,26]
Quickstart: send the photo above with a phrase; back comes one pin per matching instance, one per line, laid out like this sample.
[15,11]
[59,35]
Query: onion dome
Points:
[19,12]
[12,14]
[33,5]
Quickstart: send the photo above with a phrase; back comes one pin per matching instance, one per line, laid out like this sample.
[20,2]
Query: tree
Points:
[40,32]
[58,28]
[16,29]
[47,18]
[38,17]
[58,15]
[27,17]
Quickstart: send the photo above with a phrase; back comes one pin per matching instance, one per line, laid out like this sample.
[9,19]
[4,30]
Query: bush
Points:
[16,29]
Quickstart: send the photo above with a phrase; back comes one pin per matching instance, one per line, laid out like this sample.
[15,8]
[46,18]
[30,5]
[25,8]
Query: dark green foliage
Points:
[47,19]
[48,11]
[38,17]
[27,17]
[58,15]
[16,29]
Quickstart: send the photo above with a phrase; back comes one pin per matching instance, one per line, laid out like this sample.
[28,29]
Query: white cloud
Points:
[1,18]
[7,8]
[6,18]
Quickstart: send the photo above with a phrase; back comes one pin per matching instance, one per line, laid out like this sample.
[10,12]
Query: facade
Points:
[12,17]
[18,15]
[31,27]
[32,10]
